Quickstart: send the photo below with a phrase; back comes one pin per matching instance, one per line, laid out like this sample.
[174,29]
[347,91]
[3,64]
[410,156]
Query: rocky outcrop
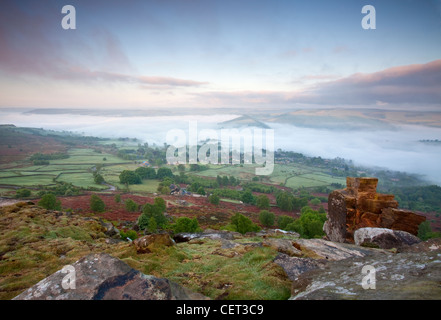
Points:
[414,274]
[316,253]
[384,238]
[285,246]
[147,243]
[103,277]
[359,206]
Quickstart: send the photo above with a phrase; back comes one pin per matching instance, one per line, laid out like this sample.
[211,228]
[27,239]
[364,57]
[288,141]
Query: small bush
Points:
[131,234]
[50,202]
[184,224]
[117,198]
[131,205]
[97,204]
[23,193]
[242,224]
[283,221]
[214,199]
[267,218]
[262,202]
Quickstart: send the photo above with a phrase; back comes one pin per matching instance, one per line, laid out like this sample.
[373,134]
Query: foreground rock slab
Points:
[103,277]
[414,274]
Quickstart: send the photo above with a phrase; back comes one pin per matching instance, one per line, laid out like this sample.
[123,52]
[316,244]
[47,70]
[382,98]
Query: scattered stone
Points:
[103,277]
[206,234]
[384,238]
[332,251]
[294,266]
[111,230]
[147,243]
[282,245]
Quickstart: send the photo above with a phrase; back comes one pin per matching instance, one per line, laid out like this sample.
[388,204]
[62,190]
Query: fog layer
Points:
[396,149]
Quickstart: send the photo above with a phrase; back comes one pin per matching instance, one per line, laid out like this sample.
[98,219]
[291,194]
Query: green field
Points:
[77,169]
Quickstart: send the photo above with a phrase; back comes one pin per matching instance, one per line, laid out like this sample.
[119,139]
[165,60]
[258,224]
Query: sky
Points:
[211,54]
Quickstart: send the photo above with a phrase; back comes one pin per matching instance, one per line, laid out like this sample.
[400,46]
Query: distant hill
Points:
[243,121]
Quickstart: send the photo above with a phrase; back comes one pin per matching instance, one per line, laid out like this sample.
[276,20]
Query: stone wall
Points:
[359,206]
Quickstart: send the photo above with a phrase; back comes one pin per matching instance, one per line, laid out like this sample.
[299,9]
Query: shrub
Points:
[425,231]
[131,205]
[155,211]
[160,203]
[263,202]
[23,193]
[131,234]
[309,225]
[283,221]
[201,191]
[184,224]
[129,177]
[164,172]
[50,202]
[153,226]
[267,218]
[98,178]
[146,172]
[97,204]
[117,198]
[242,224]
[285,200]
[315,201]
[214,199]
[247,197]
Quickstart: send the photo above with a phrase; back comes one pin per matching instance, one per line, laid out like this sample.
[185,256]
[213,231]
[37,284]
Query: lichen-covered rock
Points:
[295,266]
[384,238]
[103,277]
[411,275]
[147,243]
[282,245]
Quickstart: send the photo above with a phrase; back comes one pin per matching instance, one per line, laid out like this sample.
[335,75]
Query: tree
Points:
[117,198]
[164,172]
[263,202]
[160,203]
[214,199]
[50,202]
[247,197]
[284,201]
[184,224]
[283,221]
[23,193]
[153,226]
[425,231]
[201,191]
[98,178]
[131,205]
[97,204]
[155,211]
[146,172]
[267,218]
[243,224]
[129,177]
[309,225]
